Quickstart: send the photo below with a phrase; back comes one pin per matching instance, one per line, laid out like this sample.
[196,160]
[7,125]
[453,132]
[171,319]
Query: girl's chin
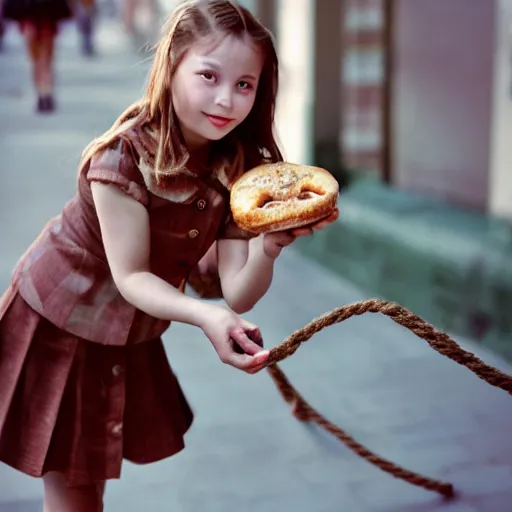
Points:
[217,133]
[209,134]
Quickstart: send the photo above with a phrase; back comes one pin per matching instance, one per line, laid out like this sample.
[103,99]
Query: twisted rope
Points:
[439,341]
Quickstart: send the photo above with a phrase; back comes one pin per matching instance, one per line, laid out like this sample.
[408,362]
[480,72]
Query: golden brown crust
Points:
[280,196]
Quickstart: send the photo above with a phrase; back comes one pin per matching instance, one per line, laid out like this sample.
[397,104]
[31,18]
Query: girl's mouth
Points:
[219,122]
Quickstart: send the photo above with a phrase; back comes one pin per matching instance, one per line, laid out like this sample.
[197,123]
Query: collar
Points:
[178,185]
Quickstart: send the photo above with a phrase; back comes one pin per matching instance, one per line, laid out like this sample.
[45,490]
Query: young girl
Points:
[38,21]
[84,379]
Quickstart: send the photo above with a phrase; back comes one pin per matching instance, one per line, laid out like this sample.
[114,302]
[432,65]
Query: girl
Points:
[38,20]
[84,379]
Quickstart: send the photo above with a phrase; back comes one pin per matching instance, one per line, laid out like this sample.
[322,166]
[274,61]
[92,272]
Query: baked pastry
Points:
[282,196]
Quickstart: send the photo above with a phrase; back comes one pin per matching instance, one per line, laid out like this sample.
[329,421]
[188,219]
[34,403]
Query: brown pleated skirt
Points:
[80,408]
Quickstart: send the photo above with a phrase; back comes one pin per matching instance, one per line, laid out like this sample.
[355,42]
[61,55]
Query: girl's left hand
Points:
[317,226]
[274,242]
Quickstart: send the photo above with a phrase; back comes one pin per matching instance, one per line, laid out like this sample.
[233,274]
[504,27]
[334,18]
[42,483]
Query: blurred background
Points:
[409,104]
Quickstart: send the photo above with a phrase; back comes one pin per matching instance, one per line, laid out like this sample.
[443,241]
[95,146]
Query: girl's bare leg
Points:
[40,47]
[33,48]
[58,497]
[47,42]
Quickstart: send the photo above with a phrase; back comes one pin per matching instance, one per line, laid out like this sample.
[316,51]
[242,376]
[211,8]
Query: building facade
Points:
[406,89]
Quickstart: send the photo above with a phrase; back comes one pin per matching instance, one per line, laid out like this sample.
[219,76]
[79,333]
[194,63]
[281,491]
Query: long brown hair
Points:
[253,139]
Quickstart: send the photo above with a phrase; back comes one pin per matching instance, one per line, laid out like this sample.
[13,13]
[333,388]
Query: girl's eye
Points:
[244,86]
[208,76]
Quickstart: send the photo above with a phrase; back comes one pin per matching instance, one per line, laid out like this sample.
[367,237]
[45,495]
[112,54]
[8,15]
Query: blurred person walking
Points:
[38,22]
[2,26]
[85,18]
[133,11]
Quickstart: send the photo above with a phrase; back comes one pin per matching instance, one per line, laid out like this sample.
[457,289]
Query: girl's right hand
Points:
[225,329]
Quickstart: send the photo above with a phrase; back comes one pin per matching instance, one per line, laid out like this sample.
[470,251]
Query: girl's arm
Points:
[125,233]
[246,268]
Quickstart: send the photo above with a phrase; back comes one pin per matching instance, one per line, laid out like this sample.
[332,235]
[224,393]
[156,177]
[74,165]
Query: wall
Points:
[442,87]
[294,117]
[362,85]
[500,193]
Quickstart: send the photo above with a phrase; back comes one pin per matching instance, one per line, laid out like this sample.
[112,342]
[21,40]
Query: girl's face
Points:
[214,88]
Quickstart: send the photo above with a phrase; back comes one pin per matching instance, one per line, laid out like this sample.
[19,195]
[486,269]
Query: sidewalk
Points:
[245,452]
[448,264]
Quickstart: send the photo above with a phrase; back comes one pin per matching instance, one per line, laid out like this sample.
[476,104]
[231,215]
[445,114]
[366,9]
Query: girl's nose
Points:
[224,98]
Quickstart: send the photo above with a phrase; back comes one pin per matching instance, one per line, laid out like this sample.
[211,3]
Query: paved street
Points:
[245,452]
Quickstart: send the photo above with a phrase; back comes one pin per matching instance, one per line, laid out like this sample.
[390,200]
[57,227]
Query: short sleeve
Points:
[116,165]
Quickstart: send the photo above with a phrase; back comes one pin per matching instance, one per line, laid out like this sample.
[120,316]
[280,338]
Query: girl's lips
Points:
[219,122]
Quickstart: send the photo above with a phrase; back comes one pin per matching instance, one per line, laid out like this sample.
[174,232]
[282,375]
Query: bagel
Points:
[281,196]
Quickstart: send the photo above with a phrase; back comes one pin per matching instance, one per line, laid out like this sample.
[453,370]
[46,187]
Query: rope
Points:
[439,341]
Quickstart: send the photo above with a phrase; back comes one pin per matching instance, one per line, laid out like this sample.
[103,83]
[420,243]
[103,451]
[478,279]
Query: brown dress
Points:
[40,15]
[84,378]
